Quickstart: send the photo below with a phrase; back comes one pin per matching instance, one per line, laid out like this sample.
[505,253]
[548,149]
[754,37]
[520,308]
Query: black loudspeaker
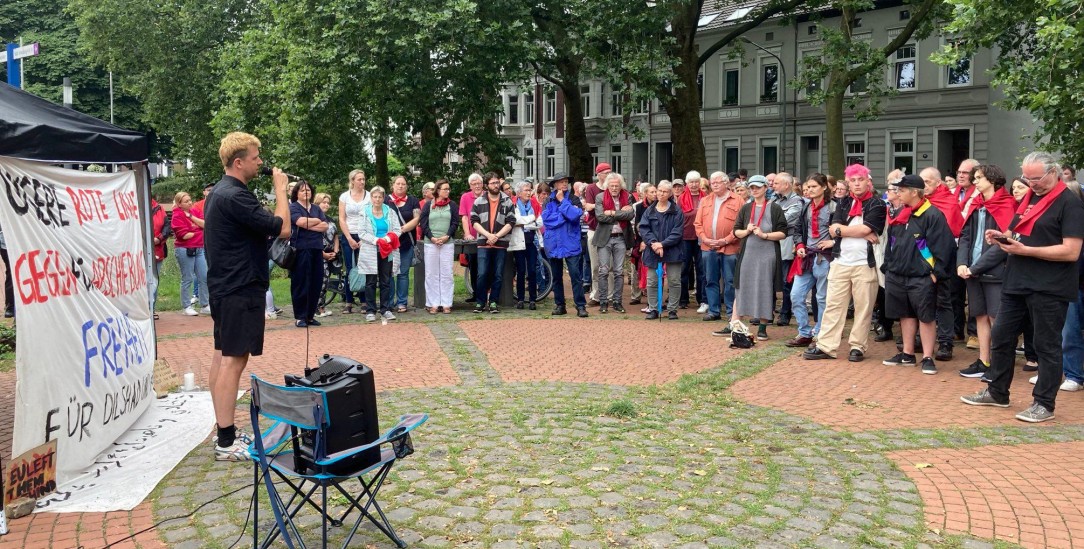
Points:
[351,408]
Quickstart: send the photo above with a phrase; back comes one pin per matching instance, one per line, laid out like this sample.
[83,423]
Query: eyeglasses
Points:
[1030,180]
[893,189]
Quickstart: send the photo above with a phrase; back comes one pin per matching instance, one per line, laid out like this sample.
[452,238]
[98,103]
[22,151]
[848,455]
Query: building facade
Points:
[940,115]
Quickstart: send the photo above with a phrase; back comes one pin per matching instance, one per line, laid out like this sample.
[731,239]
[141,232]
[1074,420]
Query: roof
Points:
[33,128]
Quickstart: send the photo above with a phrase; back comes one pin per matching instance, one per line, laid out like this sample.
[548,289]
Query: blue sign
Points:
[14,67]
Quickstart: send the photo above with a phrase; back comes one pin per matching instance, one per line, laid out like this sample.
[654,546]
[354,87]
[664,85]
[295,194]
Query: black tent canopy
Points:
[33,128]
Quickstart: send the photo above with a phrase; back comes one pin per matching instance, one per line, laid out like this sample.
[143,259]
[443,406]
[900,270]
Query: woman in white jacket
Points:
[379,223]
[522,243]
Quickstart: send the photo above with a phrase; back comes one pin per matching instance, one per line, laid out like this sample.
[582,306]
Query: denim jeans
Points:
[349,264]
[152,281]
[191,269]
[718,270]
[527,269]
[402,279]
[574,263]
[490,273]
[1072,343]
[801,286]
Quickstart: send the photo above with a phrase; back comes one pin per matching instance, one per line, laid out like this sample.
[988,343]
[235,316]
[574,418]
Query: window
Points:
[615,102]
[903,153]
[769,89]
[615,158]
[859,86]
[856,152]
[513,109]
[905,15]
[856,23]
[594,156]
[812,31]
[551,161]
[700,87]
[730,155]
[811,58]
[769,36]
[528,162]
[585,100]
[730,87]
[551,107]
[769,157]
[528,108]
[905,68]
[958,74]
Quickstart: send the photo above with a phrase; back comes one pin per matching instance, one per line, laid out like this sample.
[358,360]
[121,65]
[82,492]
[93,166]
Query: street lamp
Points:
[783,99]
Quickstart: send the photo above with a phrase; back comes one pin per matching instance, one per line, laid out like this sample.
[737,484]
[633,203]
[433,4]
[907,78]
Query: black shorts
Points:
[983,298]
[910,297]
[239,323]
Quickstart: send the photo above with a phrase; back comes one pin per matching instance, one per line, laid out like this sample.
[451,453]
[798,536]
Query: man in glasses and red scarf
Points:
[1043,244]
[857,223]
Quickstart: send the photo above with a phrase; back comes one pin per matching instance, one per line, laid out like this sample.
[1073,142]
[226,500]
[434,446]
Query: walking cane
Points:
[660,271]
[3,513]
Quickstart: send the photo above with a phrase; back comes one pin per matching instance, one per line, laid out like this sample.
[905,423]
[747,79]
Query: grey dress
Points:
[759,262]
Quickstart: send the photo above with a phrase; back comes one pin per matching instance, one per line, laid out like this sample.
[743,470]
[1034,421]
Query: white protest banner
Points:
[85,338]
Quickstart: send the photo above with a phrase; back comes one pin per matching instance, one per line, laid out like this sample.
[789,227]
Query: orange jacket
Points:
[724,226]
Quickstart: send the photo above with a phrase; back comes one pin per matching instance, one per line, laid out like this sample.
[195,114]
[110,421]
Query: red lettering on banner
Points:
[41,274]
[88,205]
[119,275]
[125,203]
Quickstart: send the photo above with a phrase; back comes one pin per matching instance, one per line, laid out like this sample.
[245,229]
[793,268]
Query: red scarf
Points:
[943,200]
[399,201]
[622,201]
[816,221]
[901,217]
[1029,212]
[685,201]
[1001,206]
[856,203]
[753,212]
[441,202]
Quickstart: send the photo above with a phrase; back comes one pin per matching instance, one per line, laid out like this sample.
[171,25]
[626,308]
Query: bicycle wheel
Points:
[333,286]
[545,277]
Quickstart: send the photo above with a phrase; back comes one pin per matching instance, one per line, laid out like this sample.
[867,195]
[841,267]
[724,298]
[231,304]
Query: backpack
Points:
[740,337]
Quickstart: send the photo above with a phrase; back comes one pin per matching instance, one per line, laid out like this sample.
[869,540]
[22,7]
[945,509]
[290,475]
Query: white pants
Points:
[439,283]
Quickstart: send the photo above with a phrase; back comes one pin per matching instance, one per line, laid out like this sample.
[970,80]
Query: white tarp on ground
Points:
[124,474]
[85,354]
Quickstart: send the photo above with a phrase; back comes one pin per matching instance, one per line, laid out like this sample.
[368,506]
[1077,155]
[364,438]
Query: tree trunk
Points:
[683,107]
[833,122]
[579,149]
[381,153]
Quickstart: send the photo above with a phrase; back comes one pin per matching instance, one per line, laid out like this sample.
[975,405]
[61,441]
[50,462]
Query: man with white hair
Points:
[1041,278]
[792,205]
[466,202]
[691,271]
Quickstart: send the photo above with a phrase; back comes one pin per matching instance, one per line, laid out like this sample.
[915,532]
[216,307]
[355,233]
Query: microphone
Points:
[268,172]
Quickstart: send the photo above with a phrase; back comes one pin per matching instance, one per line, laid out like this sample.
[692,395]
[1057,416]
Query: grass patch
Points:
[717,380]
[7,362]
[624,409]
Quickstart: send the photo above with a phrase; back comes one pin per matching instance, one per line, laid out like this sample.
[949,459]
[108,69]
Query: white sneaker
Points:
[325,312]
[193,300]
[271,315]
[206,310]
[703,308]
[388,315]
[1071,386]
[370,317]
[1033,380]
[189,311]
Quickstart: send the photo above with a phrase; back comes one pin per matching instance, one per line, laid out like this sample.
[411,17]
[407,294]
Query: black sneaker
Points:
[944,351]
[672,315]
[856,356]
[976,369]
[725,332]
[618,308]
[814,353]
[532,306]
[581,312]
[653,315]
[559,310]
[901,359]
[928,367]
[604,308]
[1030,366]
[479,308]
[519,305]
[493,309]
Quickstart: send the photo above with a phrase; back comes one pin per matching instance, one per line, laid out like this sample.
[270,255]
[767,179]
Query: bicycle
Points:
[334,283]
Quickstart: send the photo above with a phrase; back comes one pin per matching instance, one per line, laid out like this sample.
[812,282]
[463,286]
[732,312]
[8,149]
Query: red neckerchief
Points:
[901,217]
[686,201]
[856,203]
[1001,206]
[757,220]
[399,202]
[816,222]
[441,202]
[622,200]
[1029,212]
[943,200]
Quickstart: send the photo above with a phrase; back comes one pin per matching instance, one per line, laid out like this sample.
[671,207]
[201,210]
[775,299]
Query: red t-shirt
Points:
[589,195]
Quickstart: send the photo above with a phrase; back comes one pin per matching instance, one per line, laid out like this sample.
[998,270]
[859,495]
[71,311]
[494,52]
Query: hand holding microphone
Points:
[279,179]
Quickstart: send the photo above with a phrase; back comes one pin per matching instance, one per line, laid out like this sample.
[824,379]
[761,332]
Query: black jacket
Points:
[874,212]
[925,231]
[423,222]
[991,264]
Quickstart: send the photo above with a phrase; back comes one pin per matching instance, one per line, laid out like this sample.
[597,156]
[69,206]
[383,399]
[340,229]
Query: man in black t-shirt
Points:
[1043,244]
[235,240]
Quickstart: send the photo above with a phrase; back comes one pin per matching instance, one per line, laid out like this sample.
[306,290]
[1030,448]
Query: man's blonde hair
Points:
[235,145]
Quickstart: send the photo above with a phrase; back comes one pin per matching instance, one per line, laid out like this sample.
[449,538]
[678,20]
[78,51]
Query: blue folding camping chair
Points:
[272,450]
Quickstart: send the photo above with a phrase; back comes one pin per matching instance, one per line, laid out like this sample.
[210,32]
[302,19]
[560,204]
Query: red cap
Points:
[602,167]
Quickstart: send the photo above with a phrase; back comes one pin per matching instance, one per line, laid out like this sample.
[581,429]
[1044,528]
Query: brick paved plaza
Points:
[614,431]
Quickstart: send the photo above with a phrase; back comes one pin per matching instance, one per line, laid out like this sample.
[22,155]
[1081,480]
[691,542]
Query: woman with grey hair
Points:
[522,243]
[661,229]
[378,254]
